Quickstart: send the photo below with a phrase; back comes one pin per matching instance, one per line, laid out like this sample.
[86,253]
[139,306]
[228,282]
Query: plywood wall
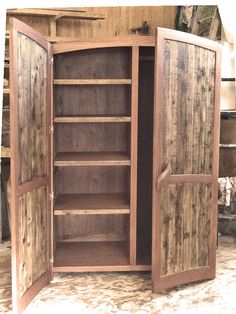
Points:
[119,21]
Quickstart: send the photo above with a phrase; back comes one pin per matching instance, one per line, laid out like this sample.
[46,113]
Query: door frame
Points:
[202,273]
[19,303]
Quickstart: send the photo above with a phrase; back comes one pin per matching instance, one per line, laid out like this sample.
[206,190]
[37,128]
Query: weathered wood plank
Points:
[33,235]
[32,109]
[185,233]
[188,111]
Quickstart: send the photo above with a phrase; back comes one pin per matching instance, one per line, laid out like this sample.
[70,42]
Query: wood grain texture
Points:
[185,222]
[188,108]
[119,21]
[95,64]
[100,179]
[98,100]
[92,137]
[33,237]
[32,95]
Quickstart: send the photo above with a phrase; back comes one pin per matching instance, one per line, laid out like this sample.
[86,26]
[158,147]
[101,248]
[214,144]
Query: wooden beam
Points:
[64,14]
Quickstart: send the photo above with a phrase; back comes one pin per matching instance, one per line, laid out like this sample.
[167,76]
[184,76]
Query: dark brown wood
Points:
[145,132]
[30,184]
[92,254]
[92,137]
[186,128]
[134,151]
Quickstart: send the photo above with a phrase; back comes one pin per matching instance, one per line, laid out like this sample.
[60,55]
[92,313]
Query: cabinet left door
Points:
[30,101]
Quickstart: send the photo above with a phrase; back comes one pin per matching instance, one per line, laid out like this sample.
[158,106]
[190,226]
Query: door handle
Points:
[163,176]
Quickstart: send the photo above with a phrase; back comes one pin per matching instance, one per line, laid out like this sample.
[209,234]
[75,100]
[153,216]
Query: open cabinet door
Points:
[185,159]
[30,98]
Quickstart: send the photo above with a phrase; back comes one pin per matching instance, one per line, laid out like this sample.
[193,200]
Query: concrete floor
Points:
[123,293]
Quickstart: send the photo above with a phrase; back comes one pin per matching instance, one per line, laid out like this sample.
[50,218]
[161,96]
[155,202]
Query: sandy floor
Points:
[105,293]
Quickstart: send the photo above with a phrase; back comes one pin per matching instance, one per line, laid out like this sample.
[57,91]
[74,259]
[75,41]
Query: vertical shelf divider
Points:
[134,144]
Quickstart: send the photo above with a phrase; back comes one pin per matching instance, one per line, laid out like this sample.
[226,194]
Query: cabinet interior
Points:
[92,158]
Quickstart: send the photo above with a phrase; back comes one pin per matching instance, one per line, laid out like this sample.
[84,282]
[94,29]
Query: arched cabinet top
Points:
[124,41]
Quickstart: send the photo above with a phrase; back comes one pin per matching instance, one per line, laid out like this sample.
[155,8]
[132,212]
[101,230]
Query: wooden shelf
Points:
[229,217]
[5,152]
[92,82]
[91,204]
[91,119]
[6,90]
[228,146]
[91,159]
[71,254]
[228,113]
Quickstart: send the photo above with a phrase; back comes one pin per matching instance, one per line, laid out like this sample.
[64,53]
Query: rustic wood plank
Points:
[91,81]
[185,232]
[91,119]
[92,159]
[33,242]
[180,129]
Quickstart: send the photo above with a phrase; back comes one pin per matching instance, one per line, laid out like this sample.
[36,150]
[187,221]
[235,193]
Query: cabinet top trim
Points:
[118,41]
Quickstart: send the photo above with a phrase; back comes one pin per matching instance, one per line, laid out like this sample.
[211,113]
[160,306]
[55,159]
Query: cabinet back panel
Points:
[107,63]
[92,228]
[145,128]
[96,99]
[93,137]
[92,180]
[228,131]
[227,163]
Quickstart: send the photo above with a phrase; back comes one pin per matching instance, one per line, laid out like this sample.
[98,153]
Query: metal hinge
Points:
[51,196]
[51,61]
[52,260]
[51,129]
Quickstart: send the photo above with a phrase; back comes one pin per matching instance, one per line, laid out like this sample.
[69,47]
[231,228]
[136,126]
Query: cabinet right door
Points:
[185,159]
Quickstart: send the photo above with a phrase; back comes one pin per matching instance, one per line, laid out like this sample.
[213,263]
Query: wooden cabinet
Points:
[115,149]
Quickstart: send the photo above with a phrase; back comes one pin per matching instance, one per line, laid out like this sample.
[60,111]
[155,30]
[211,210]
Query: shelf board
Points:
[92,82]
[228,146]
[92,204]
[90,119]
[6,90]
[229,217]
[5,152]
[228,113]
[70,254]
[91,159]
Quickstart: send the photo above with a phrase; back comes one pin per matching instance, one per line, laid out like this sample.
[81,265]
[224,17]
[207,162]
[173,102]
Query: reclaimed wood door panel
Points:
[185,159]
[30,166]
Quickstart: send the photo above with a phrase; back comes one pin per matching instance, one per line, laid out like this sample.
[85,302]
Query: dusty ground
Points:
[106,293]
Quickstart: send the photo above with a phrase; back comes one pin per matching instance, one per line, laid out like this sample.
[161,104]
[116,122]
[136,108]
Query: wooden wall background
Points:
[119,21]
